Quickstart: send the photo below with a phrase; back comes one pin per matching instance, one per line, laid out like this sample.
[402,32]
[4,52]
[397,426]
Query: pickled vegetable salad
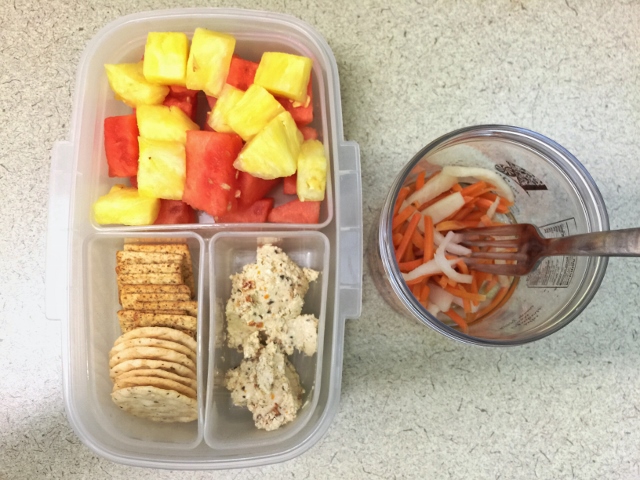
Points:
[426,216]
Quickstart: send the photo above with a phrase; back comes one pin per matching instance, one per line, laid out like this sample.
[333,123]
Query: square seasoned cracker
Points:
[148,268]
[130,299]
[174,248]
[128,258]
[191,307]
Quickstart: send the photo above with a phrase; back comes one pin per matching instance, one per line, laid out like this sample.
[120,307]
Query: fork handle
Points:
[613,243]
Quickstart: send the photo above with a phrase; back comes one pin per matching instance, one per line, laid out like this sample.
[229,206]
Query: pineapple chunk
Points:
[124,205]
[165,58]
[311,179]
[162,169]
[273,152]
[209,61]
[128,83]
[284,74]
[228,98]
[158,122]
[254,110]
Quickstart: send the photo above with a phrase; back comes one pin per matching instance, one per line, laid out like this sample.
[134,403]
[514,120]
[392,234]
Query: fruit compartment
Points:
[111,428]
[228,427]
[126,44]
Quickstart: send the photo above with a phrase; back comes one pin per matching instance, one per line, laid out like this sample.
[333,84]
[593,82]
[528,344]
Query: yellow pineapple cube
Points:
[254,110]
[228,98]
[273,152]
[165,58]
[209,60]
[284,74]
[125,206]
[311,179]
[162,169]
[159,122]
[128,83]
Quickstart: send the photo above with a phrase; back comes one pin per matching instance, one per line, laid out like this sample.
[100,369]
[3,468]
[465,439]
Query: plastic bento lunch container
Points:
[81,288]
[552,190]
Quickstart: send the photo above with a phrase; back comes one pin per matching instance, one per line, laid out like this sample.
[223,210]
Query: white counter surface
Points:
[414,404]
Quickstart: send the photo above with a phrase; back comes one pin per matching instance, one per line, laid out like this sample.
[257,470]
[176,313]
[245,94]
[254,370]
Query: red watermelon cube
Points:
[183,98]
[174,212]
[121,145]
[296,211]
[241,73]
[211,183]
[258,212]
[302,114]
[253,188]
[308,133]
[289,185]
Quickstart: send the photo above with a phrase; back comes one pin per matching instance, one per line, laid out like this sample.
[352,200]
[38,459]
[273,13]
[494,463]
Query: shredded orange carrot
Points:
[408,256]
[485,204]
[397,238]
[443,281]
[406,238]
[402,195]
[461,322]
[457,187]
[424,293]
[406,267]
[447,225]
[492,196]
[474,189]
[420,180]
[428,239]
[418,240]
[402,216]
[463,212]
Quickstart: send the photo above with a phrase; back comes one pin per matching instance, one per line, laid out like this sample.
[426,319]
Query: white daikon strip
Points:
[445,264]
[440,297]
[478,173]
[451,247]
[432,188]
[429,268]
[433,309]
[442,209]
[491,211]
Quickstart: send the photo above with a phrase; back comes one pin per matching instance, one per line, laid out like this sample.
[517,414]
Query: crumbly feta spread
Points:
[268,295]
[268,385]
[265,321]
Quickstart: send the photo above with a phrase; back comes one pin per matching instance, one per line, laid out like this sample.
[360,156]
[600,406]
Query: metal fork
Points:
[528,246]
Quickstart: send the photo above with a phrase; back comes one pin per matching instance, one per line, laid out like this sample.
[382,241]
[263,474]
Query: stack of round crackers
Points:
[153,363]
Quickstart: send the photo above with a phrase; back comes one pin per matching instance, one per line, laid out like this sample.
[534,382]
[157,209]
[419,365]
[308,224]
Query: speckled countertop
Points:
[414,404]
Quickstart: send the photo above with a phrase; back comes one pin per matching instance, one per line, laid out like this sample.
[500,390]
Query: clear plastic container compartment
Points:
[125,44]
[102,329]
[229,427]
[81,287]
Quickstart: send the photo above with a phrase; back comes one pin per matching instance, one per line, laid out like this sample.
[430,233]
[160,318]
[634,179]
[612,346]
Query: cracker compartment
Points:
[105,317]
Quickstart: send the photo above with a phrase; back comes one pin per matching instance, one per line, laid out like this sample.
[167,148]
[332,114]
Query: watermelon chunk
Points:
[174,212]
[289,184]
[308,133]
[121,145]
[211,101]
[211,183]
[183,98]
[241,72]
[258,212]
[253,188]
[302,114]
[296,212]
